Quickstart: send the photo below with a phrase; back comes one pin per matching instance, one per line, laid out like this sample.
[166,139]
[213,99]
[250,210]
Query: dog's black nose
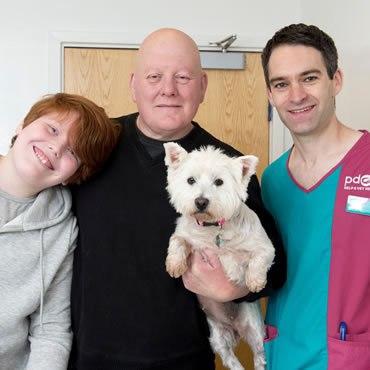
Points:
[201,203]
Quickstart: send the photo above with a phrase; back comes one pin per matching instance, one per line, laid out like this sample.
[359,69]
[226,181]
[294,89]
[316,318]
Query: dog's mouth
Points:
[204,216]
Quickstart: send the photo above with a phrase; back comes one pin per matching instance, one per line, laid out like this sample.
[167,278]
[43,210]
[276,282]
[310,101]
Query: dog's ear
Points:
[249,163]
[174,154]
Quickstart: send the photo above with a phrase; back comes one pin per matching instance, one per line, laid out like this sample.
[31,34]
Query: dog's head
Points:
[206,183]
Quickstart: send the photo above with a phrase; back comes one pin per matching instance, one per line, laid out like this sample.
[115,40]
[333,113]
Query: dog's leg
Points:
[255,278]
[223,342]
[251,328]
[177,254]
[256,273]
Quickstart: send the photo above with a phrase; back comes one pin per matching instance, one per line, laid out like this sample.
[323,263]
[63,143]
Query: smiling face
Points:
[41,154]
[301,89]
[168,84]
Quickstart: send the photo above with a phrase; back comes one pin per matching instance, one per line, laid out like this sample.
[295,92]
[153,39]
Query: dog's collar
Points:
[219,240]
[216,223]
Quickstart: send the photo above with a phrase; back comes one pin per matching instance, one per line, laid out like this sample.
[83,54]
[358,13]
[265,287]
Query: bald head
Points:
[168,41]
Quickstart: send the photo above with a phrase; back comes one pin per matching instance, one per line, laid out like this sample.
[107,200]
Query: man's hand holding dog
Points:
[205,276]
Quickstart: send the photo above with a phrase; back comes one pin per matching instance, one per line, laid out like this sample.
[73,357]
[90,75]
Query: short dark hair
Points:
[307,35]
[92,136]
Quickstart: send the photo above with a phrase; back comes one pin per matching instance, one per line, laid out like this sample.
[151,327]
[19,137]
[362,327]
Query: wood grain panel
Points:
[235,109]
[101,75]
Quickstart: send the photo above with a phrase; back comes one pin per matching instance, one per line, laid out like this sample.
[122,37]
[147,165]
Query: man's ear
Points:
[338,81]
[203,85]
[269,96]
[132,87]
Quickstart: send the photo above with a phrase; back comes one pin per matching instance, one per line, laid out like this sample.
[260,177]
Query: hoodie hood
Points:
[50,207]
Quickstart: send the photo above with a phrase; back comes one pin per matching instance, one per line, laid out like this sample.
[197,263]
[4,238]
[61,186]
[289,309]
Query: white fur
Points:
[246,253]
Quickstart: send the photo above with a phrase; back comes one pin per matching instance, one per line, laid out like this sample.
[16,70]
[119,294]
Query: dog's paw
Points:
[255,281]
[175,268]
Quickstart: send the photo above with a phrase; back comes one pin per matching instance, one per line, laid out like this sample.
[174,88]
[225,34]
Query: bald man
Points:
[127,312]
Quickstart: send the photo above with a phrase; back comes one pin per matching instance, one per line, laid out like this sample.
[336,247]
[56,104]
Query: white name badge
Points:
[358,205]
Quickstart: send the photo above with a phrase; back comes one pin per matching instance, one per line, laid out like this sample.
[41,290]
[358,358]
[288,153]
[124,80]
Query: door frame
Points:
[279,140]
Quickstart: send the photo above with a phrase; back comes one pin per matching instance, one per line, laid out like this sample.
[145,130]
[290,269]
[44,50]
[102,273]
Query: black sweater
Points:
[127,312]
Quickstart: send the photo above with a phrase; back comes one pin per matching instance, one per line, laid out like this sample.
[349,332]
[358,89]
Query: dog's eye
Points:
[191,180]
[218,182]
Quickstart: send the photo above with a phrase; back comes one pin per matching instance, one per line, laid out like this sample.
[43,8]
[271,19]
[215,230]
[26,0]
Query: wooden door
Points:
[234,110]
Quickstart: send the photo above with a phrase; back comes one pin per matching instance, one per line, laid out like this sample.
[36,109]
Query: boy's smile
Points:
[43,158]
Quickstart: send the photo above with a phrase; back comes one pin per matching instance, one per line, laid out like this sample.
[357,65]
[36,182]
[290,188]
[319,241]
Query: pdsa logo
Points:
[360,182]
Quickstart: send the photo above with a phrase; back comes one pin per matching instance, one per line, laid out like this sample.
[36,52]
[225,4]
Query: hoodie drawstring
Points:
[41,279]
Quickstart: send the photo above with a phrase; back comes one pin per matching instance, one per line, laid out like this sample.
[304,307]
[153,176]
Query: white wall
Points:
[348,23]
[26,26]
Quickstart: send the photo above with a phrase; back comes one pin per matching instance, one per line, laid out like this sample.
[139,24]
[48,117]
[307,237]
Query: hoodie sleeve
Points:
[50,326]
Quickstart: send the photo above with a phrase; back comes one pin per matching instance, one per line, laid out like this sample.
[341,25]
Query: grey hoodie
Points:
[36,255]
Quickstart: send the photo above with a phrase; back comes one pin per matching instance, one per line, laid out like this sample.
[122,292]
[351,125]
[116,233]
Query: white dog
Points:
[209,189]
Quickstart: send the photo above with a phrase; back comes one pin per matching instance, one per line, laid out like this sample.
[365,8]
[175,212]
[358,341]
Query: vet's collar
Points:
[216,223]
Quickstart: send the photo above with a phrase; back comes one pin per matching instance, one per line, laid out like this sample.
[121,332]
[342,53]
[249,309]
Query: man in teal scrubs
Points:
[317,193]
